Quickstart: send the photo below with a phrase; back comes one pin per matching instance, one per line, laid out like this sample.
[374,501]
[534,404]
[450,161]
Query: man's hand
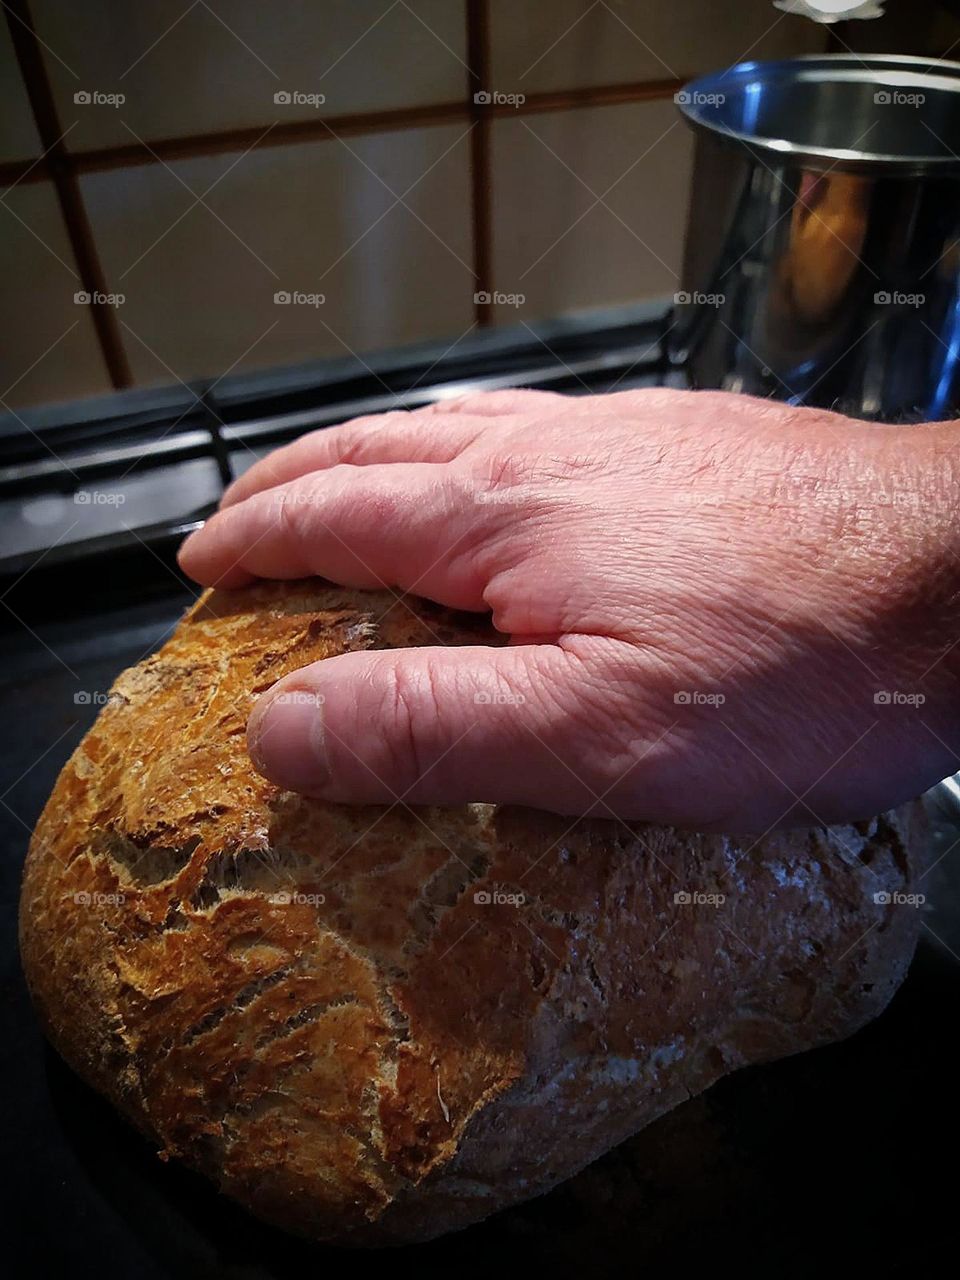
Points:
[723,612]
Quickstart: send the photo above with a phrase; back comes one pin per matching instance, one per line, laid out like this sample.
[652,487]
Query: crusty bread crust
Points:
[311,1004]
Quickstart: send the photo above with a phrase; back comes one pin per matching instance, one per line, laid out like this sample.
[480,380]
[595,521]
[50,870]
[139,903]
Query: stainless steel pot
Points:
[823,252]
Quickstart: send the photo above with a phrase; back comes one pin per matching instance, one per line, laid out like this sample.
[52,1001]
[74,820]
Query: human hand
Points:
[704,594]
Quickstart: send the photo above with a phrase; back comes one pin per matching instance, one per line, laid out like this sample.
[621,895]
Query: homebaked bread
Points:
[377,1025]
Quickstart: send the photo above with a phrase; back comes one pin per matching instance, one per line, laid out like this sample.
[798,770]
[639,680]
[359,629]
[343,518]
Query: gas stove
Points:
[81,482]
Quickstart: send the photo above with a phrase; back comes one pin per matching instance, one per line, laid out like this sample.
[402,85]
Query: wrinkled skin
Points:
[703,592]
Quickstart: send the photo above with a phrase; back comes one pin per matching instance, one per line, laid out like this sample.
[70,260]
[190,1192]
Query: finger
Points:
[408,525]
[434,726]
[500,404]
[378,438]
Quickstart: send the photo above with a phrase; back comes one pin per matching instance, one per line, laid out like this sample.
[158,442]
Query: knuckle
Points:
[313,442]
[407,701]
[289,508]
[507,470]
[355,437]
[352,439]
[457,404]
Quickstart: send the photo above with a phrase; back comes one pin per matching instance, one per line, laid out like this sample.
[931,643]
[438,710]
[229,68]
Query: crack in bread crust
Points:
[370,1026]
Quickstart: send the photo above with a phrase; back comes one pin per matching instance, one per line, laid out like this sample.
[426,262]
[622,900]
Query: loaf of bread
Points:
[376,1025]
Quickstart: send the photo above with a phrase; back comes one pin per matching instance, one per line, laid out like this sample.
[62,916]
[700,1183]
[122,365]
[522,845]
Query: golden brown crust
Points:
[306,1001]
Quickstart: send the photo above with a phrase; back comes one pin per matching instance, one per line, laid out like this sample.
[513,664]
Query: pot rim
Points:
[885,71]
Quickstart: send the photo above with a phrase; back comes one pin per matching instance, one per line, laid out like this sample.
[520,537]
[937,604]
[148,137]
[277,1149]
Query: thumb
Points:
[432,726]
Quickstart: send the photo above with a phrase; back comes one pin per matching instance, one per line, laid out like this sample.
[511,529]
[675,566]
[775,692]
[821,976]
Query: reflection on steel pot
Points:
[823,253]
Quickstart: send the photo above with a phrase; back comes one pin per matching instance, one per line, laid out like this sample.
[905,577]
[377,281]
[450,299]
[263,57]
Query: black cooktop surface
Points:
[837,1159]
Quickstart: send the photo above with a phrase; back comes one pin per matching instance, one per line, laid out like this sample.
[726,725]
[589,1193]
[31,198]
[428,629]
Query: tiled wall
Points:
[199,197]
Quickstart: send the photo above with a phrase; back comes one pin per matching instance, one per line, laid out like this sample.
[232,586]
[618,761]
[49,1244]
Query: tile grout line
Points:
[478,58]
[60,166]
[292,133]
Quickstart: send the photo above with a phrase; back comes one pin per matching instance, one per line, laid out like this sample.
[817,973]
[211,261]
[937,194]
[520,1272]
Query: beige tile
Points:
[49,349]
[18,133]
[574,43]
[314,218]
[192,68]
[554,241]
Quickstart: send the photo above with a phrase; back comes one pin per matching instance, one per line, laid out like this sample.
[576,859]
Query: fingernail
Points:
[286,740]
